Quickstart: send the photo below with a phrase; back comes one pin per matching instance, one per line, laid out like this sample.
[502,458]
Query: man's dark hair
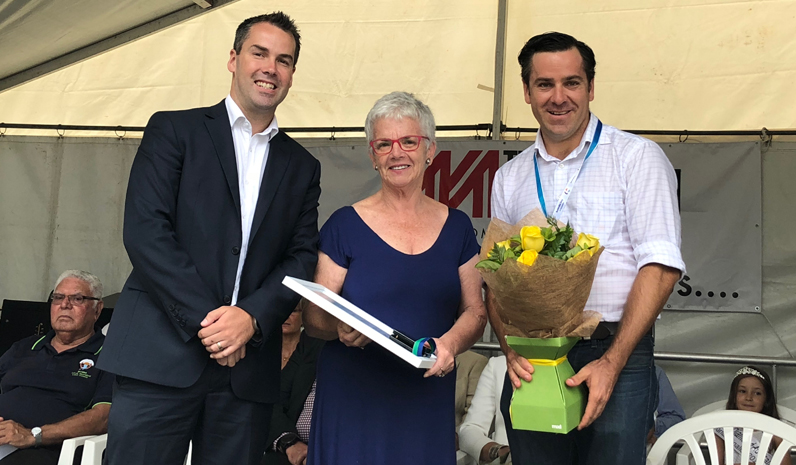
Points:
[278,19]
[555,42]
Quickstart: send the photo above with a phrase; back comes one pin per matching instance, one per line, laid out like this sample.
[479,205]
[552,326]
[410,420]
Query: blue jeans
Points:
[617,437]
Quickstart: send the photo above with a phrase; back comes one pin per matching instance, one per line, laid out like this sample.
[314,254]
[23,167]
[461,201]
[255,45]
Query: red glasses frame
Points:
[394,141]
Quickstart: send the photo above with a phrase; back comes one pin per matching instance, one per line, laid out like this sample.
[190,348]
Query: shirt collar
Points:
[92,345]
[236,116]
[588,137]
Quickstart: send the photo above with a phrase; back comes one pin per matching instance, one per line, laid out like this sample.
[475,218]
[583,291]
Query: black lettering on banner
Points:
[686,289]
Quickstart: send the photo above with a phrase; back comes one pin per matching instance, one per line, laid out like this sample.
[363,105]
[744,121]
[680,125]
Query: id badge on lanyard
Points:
[564,197]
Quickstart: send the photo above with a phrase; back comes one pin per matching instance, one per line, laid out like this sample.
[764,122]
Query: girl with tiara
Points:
[751,390]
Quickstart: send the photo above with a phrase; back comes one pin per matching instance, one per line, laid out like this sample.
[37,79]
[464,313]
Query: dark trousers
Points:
[617,437]
[153,424]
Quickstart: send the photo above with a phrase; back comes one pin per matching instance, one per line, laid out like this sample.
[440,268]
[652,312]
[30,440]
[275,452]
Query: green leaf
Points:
[488,265]
[572,252]
[495,254]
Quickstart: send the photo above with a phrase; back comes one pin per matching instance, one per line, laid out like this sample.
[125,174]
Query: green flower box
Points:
[547,404]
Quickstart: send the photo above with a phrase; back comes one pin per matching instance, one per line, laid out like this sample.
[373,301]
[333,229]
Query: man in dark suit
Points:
[220,206]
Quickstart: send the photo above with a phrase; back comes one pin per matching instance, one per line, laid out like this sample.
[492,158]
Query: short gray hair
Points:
[94,283]
[399,105]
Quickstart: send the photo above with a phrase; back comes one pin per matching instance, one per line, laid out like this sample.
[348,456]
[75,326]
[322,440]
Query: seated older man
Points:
[49,387]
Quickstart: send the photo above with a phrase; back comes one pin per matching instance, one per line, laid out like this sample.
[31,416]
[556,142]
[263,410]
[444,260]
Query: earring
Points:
[428,161]
[376,168]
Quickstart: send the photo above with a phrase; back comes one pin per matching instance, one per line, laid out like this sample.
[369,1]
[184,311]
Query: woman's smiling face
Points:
[400,168]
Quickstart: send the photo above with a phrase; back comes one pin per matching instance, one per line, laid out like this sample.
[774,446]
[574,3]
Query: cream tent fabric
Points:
[352,53]
[696,64]
[39,36]
[673,64]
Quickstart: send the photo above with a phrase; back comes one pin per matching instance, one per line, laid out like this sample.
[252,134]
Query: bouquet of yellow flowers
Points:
[540,273]
[540,276]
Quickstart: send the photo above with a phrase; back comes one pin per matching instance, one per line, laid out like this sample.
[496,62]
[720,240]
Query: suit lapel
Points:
[275,167]
[217,125]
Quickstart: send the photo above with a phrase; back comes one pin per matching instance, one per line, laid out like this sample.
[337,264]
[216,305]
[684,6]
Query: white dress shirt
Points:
[625,195]
[251,155]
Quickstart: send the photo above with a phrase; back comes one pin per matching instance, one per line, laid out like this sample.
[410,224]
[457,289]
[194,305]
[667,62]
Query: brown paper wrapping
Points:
[543,300]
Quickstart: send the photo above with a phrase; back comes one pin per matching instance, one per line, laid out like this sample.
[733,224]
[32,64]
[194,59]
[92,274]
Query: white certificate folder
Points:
[360,320]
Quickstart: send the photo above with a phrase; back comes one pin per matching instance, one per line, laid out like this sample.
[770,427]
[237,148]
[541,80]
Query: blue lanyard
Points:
[562,200]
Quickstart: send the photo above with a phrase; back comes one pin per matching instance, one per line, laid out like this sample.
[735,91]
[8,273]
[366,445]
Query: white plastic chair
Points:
[93,449]
[787,415]
[94,446]
[692,429]
[684,454]
[69,447]
[190,451]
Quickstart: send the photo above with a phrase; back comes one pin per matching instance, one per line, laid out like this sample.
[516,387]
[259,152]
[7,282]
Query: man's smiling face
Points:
[262,72]
[559,94]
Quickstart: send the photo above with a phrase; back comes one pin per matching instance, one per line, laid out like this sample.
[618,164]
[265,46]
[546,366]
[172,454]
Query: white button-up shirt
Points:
[626,196]
[251,155]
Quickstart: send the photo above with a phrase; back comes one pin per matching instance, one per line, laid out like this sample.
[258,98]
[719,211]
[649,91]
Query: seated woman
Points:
[288,434]
[409,261]
[751,390]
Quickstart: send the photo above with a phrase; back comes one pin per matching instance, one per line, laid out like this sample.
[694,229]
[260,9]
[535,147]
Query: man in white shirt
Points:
[620,188]
[221,206]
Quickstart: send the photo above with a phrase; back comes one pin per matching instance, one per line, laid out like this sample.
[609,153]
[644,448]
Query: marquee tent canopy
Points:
[666,65]
[42,36]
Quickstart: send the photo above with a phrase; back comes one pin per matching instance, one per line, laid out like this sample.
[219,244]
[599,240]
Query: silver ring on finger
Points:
[219,346]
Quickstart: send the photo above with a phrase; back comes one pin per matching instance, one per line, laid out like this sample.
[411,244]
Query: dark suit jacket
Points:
[297,378]
[182,232]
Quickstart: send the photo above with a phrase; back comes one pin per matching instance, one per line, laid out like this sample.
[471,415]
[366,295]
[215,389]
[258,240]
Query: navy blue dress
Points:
[372,407]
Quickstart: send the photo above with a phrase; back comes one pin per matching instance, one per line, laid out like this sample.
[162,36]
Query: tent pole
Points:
[500,59]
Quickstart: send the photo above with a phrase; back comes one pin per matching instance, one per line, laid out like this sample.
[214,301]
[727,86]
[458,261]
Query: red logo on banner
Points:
[478,170]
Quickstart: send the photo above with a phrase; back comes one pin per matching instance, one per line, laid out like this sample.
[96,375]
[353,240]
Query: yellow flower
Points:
[531,237]
[528,257]
[506,244]
[587,241]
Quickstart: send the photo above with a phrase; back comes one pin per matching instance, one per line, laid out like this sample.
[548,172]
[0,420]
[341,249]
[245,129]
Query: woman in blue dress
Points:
[409,261]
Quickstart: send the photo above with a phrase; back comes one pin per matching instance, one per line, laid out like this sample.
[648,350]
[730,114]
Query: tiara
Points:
[749,371]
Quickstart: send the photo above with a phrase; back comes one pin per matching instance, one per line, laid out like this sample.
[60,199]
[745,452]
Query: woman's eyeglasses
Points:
[407,144]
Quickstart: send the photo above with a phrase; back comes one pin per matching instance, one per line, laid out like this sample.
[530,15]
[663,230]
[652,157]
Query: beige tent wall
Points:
[352,53]
[672,64]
